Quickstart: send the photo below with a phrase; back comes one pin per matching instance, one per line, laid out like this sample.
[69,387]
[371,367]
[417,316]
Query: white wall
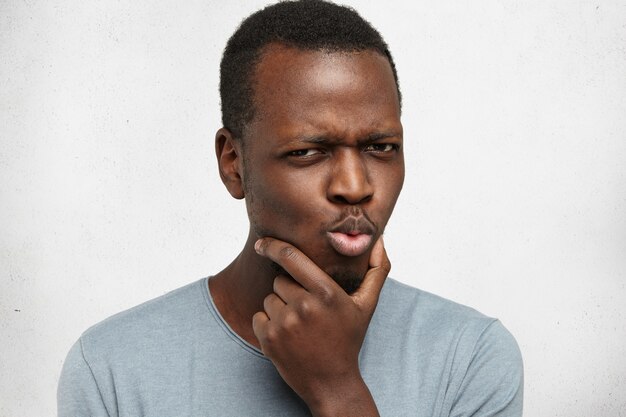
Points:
[514,203]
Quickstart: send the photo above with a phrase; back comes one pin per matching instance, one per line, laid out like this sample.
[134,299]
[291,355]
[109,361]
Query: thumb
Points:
[367,294]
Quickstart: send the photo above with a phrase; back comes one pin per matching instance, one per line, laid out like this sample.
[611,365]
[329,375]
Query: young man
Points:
[304,321]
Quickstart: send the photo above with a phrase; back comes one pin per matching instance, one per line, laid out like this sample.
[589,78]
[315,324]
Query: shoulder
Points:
[434,317]
[401,300]
[130,350]
[482,358]
[152,320]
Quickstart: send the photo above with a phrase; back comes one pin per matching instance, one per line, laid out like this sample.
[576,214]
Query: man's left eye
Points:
[381,147]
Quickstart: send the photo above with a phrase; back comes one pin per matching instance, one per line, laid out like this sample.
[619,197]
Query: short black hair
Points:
[303,24]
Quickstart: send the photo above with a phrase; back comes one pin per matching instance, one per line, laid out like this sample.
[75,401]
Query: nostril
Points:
[351,199]
[340,199]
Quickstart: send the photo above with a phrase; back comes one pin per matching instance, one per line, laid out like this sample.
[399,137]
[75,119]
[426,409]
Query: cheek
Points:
[388,185]
[281,206]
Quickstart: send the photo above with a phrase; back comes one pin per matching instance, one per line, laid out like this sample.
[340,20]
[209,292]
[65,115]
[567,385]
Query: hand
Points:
[312,330]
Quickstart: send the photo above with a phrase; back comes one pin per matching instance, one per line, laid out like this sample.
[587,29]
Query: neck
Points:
[239,289]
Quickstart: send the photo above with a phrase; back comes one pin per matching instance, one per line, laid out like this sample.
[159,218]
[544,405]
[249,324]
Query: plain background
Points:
[514,201]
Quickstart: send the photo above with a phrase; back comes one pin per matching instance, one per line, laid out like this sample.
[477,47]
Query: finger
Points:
[260,322]
[273,306]
[288,289]
[297,264]
[367,294]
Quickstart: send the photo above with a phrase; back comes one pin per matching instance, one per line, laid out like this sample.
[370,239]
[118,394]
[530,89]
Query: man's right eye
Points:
[303,153]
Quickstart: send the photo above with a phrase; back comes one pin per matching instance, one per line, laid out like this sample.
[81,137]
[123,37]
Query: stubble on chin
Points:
[348,280]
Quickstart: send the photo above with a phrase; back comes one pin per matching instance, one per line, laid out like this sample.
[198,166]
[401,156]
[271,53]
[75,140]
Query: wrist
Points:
[345,398]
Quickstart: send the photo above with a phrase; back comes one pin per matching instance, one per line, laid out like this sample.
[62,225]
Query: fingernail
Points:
[257,246]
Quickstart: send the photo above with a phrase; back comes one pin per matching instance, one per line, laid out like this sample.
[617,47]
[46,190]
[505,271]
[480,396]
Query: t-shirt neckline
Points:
[224,325]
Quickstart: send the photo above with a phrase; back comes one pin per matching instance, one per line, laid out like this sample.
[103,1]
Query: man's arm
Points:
[313,331]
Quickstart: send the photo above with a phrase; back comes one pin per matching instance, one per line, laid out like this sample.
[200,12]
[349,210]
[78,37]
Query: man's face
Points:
[322,159]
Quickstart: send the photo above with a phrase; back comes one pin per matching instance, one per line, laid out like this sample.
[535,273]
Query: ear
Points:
[230,162]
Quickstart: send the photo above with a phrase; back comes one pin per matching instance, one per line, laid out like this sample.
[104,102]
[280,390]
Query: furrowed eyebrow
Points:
[330,140]
[378,136]
[319,140]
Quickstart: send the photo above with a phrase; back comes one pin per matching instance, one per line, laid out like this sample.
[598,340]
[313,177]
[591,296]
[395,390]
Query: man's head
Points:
[307,25]
[319,160]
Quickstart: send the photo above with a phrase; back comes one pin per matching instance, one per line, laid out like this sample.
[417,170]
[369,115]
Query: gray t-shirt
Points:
[175,356]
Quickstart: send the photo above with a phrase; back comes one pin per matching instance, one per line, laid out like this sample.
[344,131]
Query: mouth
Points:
[353,236]
[350,244]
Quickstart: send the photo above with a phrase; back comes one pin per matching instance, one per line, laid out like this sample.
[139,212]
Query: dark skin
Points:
[320,167]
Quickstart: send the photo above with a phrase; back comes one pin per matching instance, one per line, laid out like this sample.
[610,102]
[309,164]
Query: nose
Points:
[349,178]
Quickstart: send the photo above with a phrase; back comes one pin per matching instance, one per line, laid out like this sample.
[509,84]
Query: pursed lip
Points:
[352,236]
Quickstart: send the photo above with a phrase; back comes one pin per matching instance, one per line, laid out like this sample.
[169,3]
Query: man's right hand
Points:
[312,330]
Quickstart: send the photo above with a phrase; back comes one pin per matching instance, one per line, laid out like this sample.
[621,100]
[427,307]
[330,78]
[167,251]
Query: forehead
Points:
[343,92]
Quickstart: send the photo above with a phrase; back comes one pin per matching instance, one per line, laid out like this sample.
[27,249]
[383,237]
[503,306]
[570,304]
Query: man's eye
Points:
[381,147]
[305,152]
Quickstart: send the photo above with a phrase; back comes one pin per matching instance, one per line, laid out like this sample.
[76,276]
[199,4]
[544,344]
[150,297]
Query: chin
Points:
[349,284]
[348,272]
[349,280]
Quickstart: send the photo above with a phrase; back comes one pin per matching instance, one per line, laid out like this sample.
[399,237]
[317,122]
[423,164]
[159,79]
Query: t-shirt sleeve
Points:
[494,380]
[78,394]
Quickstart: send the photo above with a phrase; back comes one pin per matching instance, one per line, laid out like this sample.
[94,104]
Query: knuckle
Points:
[291,321]
[304,308]
[386,261]
[271,335]
[386,266]
[287,252]
[327,297]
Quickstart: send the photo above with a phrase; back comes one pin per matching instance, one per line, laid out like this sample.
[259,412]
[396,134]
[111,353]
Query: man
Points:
[304,321]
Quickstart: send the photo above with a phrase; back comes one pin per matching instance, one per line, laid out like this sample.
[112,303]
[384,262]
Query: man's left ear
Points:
[229,161]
